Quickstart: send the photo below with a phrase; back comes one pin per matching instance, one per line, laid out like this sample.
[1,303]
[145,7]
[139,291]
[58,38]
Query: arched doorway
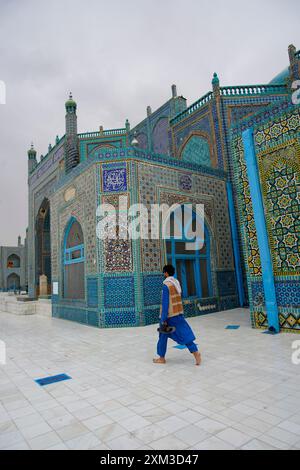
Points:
[13,261]
[13,282]
[73,262]
[43,244]
[193,266]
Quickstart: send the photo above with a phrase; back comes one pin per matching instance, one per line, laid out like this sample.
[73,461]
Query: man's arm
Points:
[165,304]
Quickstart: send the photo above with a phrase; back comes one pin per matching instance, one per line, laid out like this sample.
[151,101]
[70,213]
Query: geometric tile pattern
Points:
[247,224]
[152,285]
[118,252]
[118,292]
[288,293]
[92,292]
[120,318]
[151,316]
[142,140]
[205,190]
[160,136]
[280,175]
[226,283]
[278,158]
[289,321]
[279,127]
[228,303]
[258,295]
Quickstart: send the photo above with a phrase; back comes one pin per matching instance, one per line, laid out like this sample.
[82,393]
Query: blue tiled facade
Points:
[118,292]
[152,285]
[92,292]
[177,154]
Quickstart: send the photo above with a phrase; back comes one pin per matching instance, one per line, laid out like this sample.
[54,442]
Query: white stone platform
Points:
[244,396]
[10,304]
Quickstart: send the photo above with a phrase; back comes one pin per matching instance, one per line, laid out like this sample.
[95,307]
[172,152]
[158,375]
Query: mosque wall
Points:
[277,148]
[176,154]
[13,274]
[123,278]
[40,186]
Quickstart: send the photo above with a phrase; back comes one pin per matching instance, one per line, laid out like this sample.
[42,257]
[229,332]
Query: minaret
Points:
[216,85]
[178,103]
[127,127]
[32,162]
[294,64]
[71,143]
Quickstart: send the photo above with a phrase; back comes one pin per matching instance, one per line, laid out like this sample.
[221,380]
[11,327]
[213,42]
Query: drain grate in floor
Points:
[52,380]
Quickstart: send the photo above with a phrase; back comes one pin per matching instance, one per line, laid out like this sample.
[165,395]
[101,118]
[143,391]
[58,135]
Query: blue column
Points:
[235,243]
[262,234]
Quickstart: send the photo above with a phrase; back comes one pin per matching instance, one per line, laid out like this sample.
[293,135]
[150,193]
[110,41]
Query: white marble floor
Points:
[245,395]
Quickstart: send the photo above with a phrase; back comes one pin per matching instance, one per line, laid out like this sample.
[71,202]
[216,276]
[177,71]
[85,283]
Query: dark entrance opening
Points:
[43,245]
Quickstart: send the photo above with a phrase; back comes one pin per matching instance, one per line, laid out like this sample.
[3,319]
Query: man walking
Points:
[172,322]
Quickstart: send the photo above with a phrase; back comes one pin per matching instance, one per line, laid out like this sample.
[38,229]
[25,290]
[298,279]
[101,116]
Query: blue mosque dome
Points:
[281,78]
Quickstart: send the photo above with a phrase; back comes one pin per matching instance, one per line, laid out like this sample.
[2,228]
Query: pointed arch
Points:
[193,266]
[13,261]
[197,149]
[160,138]
[43,243]
[142,139]
[103,146]
[13,282]
[73,261]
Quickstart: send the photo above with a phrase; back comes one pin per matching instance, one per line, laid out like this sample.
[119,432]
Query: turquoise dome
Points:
[281,78]
[31,152]
[70,103]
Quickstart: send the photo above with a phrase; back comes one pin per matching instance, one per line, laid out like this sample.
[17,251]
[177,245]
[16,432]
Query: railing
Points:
[105,133]
[191,109]
[251,90]
[247,90]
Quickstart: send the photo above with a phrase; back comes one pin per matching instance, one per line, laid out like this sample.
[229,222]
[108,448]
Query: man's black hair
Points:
[169,269]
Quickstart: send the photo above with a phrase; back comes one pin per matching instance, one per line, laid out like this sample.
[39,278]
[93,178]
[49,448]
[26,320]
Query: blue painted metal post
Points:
[236,248]
[261,230]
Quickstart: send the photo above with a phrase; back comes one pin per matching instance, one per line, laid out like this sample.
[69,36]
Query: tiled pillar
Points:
[262,234]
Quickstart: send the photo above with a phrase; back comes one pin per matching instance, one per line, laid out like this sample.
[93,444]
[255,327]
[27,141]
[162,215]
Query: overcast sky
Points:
[117,57]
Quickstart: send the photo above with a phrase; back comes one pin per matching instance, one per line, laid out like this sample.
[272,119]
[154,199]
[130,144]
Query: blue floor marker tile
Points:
[232,327]
[52,380]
